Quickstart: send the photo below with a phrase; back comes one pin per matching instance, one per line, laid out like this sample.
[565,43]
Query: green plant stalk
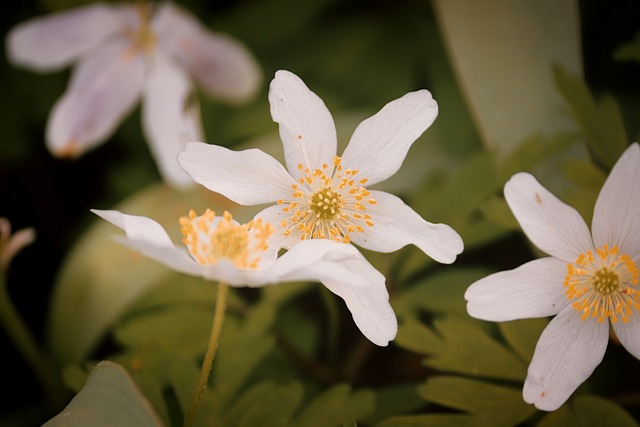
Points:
[207,363]
[333,324]
[25,343]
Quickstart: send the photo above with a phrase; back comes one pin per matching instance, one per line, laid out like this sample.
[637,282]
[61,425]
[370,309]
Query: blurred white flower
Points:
[589,282]
[319,194]
[221,249]
[124,53]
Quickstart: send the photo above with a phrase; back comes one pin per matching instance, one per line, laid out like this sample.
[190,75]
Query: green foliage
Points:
[629,51]
[109,398]
[599,122]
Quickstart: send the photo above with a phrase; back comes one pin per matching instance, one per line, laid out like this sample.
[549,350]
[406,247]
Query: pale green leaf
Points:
[601,123]
[462,346]
[335,406]
[109,398]
[430,420]
[266,404]
[394,399]
[588,411]
[522,335]
[489,404]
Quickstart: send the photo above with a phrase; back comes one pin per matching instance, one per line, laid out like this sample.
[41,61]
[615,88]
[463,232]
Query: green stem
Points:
[27,346]
[333,324]
[207,363]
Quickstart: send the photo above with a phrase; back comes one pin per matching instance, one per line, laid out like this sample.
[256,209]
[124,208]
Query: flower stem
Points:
[28,347]
[207,363]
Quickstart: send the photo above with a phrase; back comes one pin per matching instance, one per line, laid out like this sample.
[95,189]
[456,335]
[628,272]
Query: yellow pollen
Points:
[144,38]
[328,203]
[210,239]
[603,286]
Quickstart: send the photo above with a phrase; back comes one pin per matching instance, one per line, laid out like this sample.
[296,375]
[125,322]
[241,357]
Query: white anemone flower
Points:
[322,195]
[219,248]
[590,281]
[126,52]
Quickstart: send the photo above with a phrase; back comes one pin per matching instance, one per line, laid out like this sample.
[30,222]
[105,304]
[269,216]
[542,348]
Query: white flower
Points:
[321,195]
[589,282]
[219,248]
[124,53]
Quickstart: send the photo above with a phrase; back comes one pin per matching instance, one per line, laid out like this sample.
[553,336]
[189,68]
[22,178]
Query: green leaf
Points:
[336,406]
[601,123]
[588,411]
[522,335]
[629,51]
[462,346]
[438,293]
[350,423]
[397,398]
[430,420]
[109,398]
[266,404]
[489,404]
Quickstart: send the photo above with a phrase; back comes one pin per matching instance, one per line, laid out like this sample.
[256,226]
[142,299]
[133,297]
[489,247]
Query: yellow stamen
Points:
[604,286]
[327,204]
[210,239]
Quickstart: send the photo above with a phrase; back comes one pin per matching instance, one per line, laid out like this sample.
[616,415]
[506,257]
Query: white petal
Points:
[552,225]
[345,272]
[103,89]
[306,126]
[380,144]
[248,177]
[629,334]
[397,225]
[534,289]
[146,236]
[55,41]
[274,216]
[170,117]
[616,217]
[223,66]
[568,351]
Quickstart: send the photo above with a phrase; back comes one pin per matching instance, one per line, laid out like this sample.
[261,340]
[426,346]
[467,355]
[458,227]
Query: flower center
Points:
[210,239]
[603,286]
[144,38]
[328,203]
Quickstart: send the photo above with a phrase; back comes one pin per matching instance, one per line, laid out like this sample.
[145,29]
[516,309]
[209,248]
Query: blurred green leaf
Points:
[350,423]
[488,404]
[395,399]
[335,406]
[629,51]
[109,398]
[522,335]
[588,411]
[430,420]
[461,346]
[442,292]
[265,404]
[600,122]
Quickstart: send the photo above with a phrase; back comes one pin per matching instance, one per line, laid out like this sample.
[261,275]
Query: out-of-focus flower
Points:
[221,249]
[123,53]
[589,282]
[319,194]
[11,244]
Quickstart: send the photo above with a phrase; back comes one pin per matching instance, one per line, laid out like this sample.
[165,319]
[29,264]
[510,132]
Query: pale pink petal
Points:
[534,289]
[248,177]
[221,65]
[397,225]
[306,126]
[55,41]
[103,89]
[616,217]
[170,117]
[568,351]
[380,144]
[629,333]
[146,236]
[552,225]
